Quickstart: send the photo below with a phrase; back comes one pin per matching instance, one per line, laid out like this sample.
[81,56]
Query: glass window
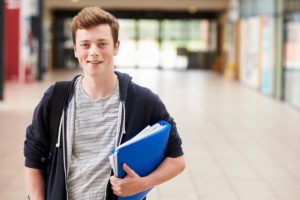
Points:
[148,29]
[148,46]
[128,47]
[127,29]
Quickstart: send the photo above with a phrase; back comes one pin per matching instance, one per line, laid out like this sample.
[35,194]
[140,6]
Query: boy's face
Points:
[95,50]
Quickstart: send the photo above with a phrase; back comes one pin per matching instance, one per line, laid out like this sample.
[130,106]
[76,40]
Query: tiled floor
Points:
[239,144]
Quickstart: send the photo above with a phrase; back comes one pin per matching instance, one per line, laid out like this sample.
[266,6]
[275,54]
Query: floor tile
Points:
[238,144]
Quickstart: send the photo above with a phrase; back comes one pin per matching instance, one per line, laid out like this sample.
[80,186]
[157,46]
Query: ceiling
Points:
[190,5]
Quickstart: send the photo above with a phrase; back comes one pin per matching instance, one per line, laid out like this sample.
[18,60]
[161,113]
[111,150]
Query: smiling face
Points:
[95,49]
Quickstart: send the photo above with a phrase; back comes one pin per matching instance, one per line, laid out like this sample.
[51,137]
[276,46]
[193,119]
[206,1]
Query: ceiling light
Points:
[192,9]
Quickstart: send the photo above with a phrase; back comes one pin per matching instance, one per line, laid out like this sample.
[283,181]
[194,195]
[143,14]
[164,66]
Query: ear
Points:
[116,50]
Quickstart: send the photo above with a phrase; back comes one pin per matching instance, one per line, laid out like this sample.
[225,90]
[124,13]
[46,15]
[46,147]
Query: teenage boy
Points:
[104,108]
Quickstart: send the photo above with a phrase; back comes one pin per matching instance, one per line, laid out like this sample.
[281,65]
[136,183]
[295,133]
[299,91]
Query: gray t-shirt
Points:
[95,125]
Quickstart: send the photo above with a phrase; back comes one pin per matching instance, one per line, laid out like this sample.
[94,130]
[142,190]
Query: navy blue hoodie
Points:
[141,108]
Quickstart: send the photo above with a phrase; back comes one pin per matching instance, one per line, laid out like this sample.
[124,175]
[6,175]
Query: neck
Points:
[99,87]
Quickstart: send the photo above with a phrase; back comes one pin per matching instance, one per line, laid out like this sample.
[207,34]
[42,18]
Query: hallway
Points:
[238,143]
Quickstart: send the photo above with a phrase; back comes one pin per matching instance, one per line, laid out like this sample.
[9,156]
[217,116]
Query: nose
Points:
[94,50]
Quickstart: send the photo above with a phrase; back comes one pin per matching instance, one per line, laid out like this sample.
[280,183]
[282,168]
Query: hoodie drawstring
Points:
[121,124]
[60,129]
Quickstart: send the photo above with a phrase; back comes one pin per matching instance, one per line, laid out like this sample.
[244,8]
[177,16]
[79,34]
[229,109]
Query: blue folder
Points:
[143,156]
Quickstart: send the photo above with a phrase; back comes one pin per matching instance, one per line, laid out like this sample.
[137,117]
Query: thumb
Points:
[128,170]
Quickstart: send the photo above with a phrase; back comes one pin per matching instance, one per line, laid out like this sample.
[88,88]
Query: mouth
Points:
[94,62]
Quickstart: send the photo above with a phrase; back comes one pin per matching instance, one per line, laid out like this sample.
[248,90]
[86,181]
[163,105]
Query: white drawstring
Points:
[124,120]
[123,125]
[118,124]
[120,130]
[60,129]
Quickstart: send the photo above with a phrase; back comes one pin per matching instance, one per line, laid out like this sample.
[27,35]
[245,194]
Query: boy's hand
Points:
[130,185]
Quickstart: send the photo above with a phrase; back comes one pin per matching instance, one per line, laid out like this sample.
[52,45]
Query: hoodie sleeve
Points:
[36,145]
[174,148]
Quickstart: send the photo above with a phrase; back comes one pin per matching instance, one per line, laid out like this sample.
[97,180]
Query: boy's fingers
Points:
[128,170]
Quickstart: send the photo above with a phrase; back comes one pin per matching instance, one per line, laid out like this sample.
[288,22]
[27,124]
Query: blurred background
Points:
[227,70]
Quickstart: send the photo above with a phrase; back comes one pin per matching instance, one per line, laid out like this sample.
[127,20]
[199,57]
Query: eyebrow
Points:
[100,40]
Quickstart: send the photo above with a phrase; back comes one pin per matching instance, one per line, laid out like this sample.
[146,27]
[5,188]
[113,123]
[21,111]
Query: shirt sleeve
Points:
[174,148]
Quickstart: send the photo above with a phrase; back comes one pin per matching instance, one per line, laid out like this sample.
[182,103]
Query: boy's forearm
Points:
[168,169]
[35,183]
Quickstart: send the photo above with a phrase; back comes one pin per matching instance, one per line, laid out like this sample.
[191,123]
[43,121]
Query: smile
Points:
[94,62]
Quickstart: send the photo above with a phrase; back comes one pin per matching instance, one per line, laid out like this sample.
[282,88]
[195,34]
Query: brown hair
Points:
[94,16]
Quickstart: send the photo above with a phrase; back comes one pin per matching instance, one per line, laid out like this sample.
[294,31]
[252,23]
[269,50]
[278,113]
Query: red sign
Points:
[11,39]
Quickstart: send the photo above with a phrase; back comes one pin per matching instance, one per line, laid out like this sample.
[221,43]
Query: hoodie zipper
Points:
[61,133]
[65,152]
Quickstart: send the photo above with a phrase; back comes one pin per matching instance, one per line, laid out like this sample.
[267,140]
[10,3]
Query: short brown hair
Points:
[94,16]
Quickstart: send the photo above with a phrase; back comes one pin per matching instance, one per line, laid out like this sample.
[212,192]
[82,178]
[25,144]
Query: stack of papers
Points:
[142,153]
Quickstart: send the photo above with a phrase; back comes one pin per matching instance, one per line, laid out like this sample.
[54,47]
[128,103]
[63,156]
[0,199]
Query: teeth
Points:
[93,62]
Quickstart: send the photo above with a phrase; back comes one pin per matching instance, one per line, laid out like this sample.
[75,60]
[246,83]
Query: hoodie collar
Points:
[124,81]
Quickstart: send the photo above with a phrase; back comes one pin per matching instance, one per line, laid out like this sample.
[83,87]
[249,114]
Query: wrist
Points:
[146,182]
[35,197]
